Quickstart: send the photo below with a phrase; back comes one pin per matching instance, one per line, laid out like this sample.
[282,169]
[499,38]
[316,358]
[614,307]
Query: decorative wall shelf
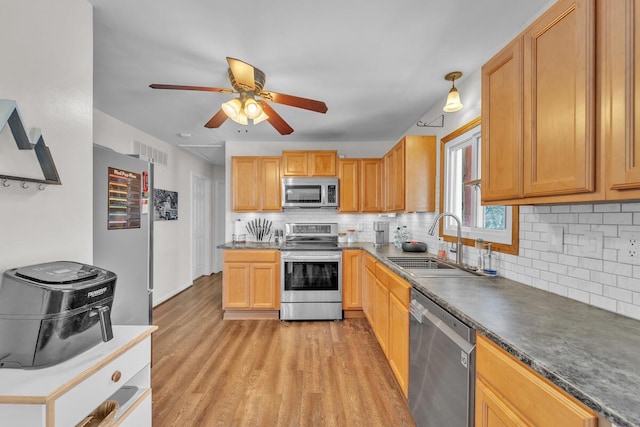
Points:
[32,141]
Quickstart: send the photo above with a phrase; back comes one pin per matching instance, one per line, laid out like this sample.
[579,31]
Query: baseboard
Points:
[353,314]
[172,294]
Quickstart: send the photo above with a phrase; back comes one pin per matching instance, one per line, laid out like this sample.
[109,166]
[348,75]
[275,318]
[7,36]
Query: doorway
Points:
[200,225]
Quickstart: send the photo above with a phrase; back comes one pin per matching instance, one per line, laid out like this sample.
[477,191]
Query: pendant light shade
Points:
[453,99]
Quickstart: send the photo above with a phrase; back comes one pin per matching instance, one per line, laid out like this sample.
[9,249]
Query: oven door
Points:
[311,276]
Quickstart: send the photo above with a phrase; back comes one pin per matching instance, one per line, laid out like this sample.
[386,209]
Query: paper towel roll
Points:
[239,230]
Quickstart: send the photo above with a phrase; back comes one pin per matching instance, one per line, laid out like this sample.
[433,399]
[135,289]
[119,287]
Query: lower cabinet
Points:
[251,284]
[386,299]
[67,393]
[509,393]
[352,279]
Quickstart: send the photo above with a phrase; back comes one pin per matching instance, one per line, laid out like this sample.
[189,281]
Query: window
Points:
[461,194]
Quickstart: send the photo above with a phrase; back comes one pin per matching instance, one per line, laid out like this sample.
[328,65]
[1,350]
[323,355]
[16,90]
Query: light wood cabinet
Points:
[509,393]
[619,70]
[559,100]
[368,288]
[251,282]
[360,185]
[381,316]
[352,279]
[245,183]
[412,160]
[371,185]
[309,163]
[349,176]
[502,124]
[386,299]
[398,354]
[256,185]
[539,112]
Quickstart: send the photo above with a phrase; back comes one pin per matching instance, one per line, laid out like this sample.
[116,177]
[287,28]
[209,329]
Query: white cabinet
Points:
[64,394]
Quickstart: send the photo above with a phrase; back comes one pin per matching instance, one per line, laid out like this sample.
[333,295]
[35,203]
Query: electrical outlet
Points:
[629,250]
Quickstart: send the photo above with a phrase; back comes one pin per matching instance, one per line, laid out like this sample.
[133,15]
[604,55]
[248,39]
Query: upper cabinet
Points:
[410,175]
[309,163]
[502,124]
[539,113]
[360,185]
[559,90]
[618,67]
[256,184]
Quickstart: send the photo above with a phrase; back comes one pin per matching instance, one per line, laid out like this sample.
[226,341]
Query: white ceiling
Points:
[378,65]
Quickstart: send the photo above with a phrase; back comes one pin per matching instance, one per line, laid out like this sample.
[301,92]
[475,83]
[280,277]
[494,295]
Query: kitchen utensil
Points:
[414,247]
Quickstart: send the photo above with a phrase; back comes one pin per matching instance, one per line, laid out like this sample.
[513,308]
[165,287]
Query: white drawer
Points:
[77,403]
[140,415]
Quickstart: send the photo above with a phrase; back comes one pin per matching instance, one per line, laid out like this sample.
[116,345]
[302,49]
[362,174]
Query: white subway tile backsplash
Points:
[630,310]
[541,209]
[561,209]
[630,283]
[578,295]
[581,208]
[630,207]
[558,289]
[590,218]
[558,268]
[603,302]
[618,294]
[609,207]
[618,218]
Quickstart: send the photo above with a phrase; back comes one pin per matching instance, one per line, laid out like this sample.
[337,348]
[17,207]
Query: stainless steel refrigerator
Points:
[123,231]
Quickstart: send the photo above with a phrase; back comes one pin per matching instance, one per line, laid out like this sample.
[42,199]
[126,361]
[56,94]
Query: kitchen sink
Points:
[429,267]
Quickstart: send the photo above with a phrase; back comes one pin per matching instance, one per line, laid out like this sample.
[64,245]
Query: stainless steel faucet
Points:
[459,242]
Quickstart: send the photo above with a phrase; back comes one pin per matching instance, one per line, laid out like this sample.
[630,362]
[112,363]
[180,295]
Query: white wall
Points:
[47,67]
[172,239]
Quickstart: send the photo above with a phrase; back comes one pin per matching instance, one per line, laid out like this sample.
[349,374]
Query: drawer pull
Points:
[116,376]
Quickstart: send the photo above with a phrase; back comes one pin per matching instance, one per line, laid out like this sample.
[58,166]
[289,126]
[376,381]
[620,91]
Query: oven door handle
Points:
[312,258]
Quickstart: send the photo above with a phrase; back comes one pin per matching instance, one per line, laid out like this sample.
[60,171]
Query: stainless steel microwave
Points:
[309,193]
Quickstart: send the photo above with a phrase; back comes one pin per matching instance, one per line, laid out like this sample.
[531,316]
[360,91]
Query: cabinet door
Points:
[265,279]
[381,316]
[502,124]
[236,280]
[398,352]
[368,294]
[370,185]
[322,163]
[389,180]
[559,83]
[348,173]
[619,42]
[245,179]
[492,411]
[398,177]
[419,169]
[352,279]
[295,163]
[271,184]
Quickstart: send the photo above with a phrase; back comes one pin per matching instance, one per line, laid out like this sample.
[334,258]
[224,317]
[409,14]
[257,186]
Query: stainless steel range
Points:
[311,266]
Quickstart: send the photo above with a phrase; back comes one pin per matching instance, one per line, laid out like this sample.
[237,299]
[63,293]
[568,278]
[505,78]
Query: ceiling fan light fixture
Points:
[261,118]
[232,108]
[453,99]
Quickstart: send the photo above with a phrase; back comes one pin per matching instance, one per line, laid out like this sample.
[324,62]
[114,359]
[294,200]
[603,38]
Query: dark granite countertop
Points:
[591,353]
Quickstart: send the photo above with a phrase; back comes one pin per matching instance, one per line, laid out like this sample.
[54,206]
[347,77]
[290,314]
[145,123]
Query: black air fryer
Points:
[51,312]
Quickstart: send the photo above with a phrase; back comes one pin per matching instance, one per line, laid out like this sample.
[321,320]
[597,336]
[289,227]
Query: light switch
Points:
[591,244]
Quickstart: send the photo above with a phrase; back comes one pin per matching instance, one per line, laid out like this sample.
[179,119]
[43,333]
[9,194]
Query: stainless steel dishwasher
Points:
[442,366]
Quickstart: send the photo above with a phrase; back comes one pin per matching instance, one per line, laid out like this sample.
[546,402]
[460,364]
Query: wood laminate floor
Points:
[212,372]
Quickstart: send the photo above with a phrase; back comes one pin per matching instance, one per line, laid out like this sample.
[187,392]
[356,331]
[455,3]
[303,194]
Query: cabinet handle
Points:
[116,376]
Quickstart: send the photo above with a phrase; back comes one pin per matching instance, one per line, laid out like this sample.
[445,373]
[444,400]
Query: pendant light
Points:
[453,99]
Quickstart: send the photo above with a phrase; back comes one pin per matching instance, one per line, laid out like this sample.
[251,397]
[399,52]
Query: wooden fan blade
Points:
[217,120]
[199,88]
[242,73]
[295,101]
[275,119]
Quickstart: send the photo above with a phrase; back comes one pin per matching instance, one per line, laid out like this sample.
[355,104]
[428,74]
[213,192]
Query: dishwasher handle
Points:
[436,322]
[417,311]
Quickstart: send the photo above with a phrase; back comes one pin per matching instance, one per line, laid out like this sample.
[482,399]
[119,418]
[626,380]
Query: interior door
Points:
[199,226]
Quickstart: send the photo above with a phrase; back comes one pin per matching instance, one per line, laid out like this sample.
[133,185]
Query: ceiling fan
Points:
[248,82]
